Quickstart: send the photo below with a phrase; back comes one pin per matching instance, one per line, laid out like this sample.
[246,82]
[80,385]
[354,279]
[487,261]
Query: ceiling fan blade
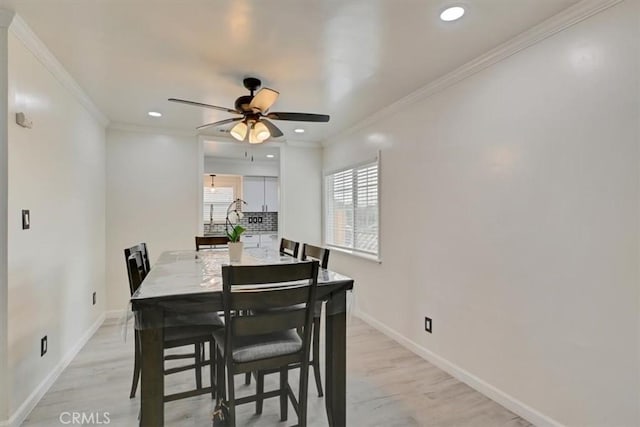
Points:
[199,104]
[263,100]
[299,117]
[273,129]
[221,122]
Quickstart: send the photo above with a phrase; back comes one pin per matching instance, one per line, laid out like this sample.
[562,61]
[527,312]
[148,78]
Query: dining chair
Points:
[310,252]
[210,241]
[266,336]
[197,334]
[322,256]
[289,247]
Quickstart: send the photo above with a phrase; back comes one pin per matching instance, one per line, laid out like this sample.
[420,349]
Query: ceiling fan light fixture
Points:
[254,123]
[239,131]
[262,132]
[258,133]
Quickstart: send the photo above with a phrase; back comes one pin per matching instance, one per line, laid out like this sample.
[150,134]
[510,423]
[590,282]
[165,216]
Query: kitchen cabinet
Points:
[269,241]
[260,193]
[250,240]
[271,199]
[253,193]
[260,240]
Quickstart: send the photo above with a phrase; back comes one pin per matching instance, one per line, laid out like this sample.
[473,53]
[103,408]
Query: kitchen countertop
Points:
[252,233]
[248,233]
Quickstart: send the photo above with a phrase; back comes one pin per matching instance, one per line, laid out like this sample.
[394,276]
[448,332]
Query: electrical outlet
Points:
[43,346]
[94,298]
[427,324]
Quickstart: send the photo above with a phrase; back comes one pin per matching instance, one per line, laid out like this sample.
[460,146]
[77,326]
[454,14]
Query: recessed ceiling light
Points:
[270,156]
[452,13]
[155,114]
[298,130]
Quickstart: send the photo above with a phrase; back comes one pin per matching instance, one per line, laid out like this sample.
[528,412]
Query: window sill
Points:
[372,258]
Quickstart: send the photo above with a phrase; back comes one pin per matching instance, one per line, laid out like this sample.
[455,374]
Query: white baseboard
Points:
[114,314]
[466,377]
[27,406]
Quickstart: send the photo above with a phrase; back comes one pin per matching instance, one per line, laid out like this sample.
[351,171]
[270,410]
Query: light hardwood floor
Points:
[386,386]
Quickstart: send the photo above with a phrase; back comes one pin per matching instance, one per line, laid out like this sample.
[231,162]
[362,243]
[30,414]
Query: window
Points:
[216,204]
[351,208]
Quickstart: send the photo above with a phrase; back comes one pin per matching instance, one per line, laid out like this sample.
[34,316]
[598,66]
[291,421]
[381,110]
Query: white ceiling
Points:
[346,58]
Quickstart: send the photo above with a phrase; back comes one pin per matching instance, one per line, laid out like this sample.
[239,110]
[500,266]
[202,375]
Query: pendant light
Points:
[213,187]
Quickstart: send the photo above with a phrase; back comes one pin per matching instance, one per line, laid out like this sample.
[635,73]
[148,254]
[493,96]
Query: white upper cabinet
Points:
[260,193]
[271,199]
[253,193]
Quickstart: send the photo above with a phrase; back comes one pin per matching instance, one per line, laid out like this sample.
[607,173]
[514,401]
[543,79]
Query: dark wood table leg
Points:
[336,358]
[152,391]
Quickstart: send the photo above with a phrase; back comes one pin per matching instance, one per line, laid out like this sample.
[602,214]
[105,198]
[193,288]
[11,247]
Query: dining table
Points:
[183,284]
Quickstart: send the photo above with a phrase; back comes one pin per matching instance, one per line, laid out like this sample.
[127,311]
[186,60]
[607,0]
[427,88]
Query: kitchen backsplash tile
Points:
[252,221]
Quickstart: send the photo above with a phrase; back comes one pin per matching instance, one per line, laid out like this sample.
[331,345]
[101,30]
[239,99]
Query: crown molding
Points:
[22,31]
[557,23]
[6,17]
[128,127]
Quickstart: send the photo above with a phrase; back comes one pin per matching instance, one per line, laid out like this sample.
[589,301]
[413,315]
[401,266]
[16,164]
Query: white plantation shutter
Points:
[216,204]
[351,208]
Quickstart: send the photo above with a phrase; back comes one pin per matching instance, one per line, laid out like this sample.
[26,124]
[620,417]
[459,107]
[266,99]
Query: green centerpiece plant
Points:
[235,230]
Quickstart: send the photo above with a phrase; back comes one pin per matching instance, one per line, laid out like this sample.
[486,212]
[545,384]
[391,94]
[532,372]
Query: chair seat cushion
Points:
[184,335]
[317,308]
[256,347]
[213,320]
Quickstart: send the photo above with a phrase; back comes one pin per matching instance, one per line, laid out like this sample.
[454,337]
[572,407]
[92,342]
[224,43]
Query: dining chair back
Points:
[144,253]
[322,256]
[210,241]
[136,271]
[273,332]
[317,253]
[289,247]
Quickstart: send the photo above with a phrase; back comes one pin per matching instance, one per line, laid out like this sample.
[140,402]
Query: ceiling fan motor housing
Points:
[242,103]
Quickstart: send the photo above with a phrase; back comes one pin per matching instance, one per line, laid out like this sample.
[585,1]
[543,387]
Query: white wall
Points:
[241,167]
[57,170]
[300,213]
[5,20]
[510,216]
[154,185]
[153,191]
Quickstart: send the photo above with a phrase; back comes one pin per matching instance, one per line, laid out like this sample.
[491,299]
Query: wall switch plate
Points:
[94,298]
[43,346]
[427,324]
[26,219]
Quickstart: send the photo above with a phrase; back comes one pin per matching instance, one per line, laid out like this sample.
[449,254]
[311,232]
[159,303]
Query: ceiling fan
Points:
[253,125]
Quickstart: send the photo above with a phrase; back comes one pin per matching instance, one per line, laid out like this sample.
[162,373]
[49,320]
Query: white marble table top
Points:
[180,273]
